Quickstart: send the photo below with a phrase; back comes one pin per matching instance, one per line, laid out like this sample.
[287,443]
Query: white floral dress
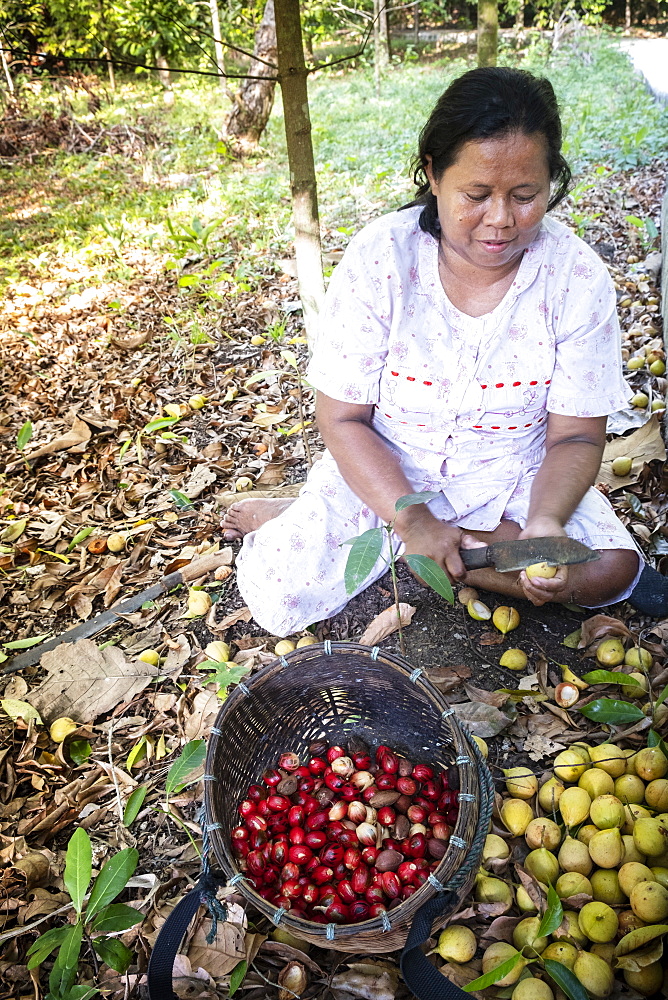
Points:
[462,400]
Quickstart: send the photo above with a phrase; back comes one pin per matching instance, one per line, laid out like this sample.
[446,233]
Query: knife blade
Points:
[522,552]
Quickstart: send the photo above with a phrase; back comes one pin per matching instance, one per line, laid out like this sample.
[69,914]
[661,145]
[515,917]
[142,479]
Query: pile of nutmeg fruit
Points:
[338,838]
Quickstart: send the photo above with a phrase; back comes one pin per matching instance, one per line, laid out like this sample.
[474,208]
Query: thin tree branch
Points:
[228,45]
[138,65]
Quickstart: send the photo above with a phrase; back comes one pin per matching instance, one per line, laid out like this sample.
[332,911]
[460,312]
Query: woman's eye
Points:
[476,197]
[524,199]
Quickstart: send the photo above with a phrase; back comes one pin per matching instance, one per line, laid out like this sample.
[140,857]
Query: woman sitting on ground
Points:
[469,345]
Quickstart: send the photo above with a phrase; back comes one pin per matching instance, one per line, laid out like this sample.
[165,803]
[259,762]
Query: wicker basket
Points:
[333,691]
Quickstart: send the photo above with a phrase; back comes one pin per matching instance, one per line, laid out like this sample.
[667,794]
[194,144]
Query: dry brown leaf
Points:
[223,954]
[201,477]
[386,623]
[76,437]
[242,615]
[495,698]
[501,929]
[447,678]
[462,975]
[368,981]
[644,445]
[600,627]
[273,474]
[538,746]
[532,887]
[113,585]
[482,720]
[85,681]
[206,706]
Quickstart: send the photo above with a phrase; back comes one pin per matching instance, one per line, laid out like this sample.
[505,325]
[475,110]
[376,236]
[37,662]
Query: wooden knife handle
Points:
[476,558]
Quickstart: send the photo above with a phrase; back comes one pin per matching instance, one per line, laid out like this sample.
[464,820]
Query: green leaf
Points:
[81,993]
[363,556]
[237,977]
[565,979]
[640,937]
[113,953]
[79,751]
[572,640]
[493,976]
[26,643]
[190,759]
[114,918]
[24,435]
[80,536]
[78,867]
[159,423]
[612,711]
[134,804]
[414,498]
[137,753]
[608,677]
[189,280]
[45,944]
[112,879]
[260,376]
[14,530]
[654,740]
[68,956]
[180,499]
[16,709]
[662,697]
[291,358]
[432,574]
[553,915]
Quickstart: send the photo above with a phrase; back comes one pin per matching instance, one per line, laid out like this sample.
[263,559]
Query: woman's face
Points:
[492,200]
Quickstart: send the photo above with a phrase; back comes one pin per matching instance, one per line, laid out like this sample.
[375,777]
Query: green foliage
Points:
[96,918]
[610,710]
[191,757]
[24,435]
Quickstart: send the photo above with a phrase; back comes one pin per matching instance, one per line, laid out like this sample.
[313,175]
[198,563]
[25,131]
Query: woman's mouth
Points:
[495,246]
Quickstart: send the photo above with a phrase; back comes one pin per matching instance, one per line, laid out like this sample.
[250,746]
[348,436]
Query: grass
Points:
[89,212]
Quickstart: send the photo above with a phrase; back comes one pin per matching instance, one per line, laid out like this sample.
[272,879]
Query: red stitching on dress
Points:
[477,427]
[410,378]
[495,428]
[389,415]
[533,383]
[547,381]
[517,383]
[527,425]
[512,428]
[483,386]
[394,373]
[499,385]
[427,383]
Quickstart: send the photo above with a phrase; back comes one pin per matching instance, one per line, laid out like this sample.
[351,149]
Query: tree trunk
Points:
[488,30]
[416,23]
[292,70]
[164,76]
[627,14]
[519,16]
[255,98]
[381,35]
[217,43]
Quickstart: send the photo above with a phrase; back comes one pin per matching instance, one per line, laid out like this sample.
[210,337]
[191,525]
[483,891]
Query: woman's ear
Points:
[429,171]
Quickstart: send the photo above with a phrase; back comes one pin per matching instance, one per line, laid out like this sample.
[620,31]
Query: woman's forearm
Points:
[568,470]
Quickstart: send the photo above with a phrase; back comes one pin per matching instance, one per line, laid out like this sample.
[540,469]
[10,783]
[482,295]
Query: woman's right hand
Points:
[424,535]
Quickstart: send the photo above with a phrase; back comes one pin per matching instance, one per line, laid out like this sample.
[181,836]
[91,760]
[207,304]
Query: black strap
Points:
[167,944]
[422,978]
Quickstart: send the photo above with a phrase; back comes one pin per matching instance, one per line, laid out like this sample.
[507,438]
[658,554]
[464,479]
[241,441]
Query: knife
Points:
[506,556]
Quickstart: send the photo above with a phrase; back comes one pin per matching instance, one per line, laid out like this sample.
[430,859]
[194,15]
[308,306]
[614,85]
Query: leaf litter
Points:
[126,454]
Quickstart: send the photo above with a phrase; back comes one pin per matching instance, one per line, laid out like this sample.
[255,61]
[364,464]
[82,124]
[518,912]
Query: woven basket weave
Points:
[333,691]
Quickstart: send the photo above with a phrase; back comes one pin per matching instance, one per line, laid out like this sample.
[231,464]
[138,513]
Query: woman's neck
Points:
[474,290]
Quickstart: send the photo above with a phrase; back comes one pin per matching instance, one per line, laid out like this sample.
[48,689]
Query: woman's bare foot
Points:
[249,515]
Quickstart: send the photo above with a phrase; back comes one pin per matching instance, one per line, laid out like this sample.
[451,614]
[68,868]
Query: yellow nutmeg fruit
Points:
[640,400]
[243,484]
[218,650]
[479,611]
[284,646]
[514,659]
[197,402]
[151,656]
[482,746]
[199,603]
[116,542]
[61,728]
[611,652]
[505,619]
[257,340]
[621,466]
[306,640]
[521,782]
[542,570]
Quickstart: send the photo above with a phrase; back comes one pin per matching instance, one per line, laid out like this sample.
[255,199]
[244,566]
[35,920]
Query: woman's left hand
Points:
[540,590]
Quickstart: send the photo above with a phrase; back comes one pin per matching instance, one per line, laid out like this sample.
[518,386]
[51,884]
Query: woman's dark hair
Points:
[487,103]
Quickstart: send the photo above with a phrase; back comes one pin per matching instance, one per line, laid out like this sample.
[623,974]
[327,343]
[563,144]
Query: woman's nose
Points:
[499,213]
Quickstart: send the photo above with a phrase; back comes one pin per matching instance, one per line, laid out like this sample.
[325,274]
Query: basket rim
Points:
[468,757]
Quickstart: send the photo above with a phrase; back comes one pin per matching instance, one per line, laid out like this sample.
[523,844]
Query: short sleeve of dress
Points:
[353,328]
[587,379]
